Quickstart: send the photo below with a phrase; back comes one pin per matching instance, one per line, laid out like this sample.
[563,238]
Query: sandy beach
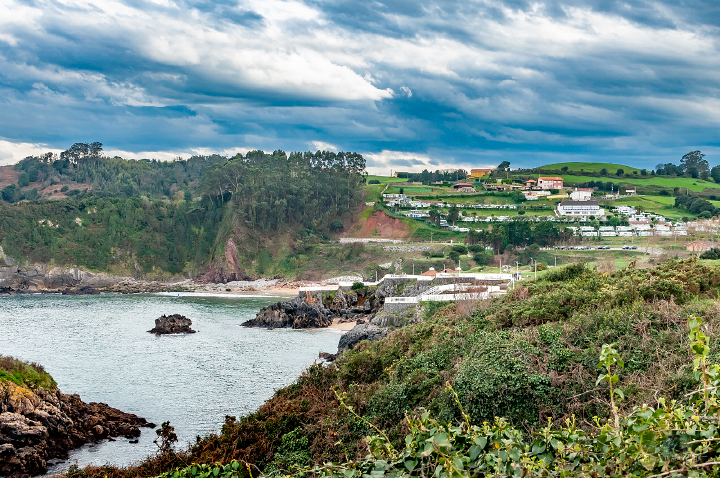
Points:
[344,326]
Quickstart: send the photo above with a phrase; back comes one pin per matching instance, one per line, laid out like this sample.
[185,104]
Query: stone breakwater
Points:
[38,425]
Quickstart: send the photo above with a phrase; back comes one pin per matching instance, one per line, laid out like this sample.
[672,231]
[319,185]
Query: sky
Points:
[409,84]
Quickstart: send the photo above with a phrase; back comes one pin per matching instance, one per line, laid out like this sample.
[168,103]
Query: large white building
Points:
[580,208]
[581,194]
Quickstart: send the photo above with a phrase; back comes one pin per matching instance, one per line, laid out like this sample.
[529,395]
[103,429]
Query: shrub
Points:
[482,259]
[336,226]
[374,181]
[64,188]
[713,253]
[24,180]
[454,255]
[357,286]
[460,248]
[476,248]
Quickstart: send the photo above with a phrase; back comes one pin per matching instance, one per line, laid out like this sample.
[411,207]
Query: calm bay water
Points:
[99,348]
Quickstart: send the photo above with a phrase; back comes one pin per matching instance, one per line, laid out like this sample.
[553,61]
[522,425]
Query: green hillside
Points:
[589,167]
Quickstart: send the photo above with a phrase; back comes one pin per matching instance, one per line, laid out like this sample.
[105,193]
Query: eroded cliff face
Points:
[38,425]
[41,277]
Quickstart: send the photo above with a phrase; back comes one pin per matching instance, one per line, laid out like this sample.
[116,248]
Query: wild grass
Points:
[31,375]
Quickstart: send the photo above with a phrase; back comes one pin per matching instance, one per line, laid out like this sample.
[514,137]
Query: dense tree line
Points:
[270,190]
[426,176]
[105,233]
[698,206]
[692,164]
[520,234]
[84,164]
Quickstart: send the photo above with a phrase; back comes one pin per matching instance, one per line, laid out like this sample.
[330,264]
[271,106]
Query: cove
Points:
[98,347]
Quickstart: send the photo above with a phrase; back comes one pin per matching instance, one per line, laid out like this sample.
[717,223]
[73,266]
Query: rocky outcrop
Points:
[296,314]
[172,324]
[38,425]
[16,279]
[358,334]
[319,310]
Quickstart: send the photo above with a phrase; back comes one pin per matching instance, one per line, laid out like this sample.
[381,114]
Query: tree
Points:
[694,163]
[454,214]
[643,172]
[503,166]
[715,174]
[604,171]
[620,171]
[24,180]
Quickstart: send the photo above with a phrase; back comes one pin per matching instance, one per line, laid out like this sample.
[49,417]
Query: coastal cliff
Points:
[43,278]
[38,423]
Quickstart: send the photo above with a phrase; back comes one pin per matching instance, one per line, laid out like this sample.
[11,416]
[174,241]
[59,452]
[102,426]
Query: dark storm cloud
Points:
[411,84]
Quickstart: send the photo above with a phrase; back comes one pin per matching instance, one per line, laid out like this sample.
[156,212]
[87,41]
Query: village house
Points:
[581,194]
[530,183]
[464,187]
[479,173]
[550,182]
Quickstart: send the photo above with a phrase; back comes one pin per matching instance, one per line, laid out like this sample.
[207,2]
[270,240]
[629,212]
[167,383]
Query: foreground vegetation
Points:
[30,375]
[530,357]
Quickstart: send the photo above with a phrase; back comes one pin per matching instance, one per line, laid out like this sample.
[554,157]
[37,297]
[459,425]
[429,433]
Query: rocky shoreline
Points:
[39,425]
[318,310]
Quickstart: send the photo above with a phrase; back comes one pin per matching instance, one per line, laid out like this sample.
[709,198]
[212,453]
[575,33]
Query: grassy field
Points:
[386,179]
[590,167]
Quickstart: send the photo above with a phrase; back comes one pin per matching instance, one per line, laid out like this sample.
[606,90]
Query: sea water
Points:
[98,347]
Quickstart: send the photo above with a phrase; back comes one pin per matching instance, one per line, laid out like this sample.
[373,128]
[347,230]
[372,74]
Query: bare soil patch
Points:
[382,226]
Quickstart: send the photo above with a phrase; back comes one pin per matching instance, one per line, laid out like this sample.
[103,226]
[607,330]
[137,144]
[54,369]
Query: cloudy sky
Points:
[408,83]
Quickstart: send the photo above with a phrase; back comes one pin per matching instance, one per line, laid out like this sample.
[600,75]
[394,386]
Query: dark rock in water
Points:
[39,425]
[328,357]
[172,324]
[359,333]
[87,290]
[297,314]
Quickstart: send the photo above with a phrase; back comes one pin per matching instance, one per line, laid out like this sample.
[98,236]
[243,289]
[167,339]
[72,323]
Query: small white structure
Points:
[580,208]
[581,194]
[535,195]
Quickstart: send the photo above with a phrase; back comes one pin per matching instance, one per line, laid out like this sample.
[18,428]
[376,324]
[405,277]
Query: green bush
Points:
[460,249]
[482,259]
[713,253]
[374,181]
[24,180]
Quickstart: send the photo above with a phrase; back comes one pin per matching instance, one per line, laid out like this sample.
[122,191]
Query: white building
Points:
[580,208]
[535,195]
[581,194]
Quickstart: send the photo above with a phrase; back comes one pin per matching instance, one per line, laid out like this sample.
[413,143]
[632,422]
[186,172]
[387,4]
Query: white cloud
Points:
[12,152]
[321,146]
[406,90]
[384,162]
